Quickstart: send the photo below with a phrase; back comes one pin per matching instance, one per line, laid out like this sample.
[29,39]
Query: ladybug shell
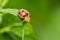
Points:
[24,14]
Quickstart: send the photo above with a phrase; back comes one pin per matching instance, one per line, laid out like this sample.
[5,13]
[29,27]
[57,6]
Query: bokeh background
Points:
[45,16]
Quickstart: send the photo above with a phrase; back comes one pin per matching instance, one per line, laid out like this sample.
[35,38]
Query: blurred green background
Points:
[45,16]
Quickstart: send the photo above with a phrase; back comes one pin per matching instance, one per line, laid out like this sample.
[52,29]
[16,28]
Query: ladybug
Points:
[24,15]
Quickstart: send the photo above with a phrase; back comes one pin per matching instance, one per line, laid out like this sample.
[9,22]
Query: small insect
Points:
[24,15]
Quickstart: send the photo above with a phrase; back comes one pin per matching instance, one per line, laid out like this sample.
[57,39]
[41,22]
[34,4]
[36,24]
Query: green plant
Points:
[11,27]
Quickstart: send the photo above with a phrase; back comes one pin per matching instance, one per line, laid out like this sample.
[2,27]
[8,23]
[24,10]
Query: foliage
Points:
[11,27]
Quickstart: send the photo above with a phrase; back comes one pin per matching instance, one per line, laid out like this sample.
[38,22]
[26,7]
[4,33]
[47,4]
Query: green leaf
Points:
[0,18]
[8,20]
[11,11]
[13,26]
[5,36]
[3,3]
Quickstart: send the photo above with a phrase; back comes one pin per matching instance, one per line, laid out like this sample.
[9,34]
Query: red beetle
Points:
[24,14]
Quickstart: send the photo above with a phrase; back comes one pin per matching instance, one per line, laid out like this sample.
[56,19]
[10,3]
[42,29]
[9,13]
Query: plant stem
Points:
[23,33]
[23,30]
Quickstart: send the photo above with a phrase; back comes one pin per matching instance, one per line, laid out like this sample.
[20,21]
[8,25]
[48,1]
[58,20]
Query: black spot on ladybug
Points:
[27,14]
[19,13]
[22,10]
[23,15]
